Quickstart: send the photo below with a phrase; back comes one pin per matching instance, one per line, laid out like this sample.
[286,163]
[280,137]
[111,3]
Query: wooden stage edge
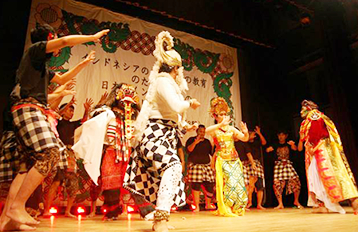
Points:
[288,219]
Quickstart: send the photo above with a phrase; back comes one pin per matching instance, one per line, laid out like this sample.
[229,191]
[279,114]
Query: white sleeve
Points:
[167,91]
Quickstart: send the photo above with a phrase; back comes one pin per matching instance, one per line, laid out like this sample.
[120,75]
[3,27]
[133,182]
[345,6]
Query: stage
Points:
[288,219]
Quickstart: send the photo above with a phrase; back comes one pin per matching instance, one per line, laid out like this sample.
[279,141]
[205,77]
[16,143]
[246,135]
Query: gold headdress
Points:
[218,105]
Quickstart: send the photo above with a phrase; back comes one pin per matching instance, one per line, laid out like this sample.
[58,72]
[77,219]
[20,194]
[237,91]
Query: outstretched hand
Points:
[257,130]
[72,102]
[99,35]
[244,127]
[291,143]
[226,121]
[194,103]
[90,57]
[70,85]
[103,98]
[68,92]
[88,103]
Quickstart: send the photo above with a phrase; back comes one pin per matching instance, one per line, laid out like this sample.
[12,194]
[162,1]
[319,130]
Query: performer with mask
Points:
[330,179]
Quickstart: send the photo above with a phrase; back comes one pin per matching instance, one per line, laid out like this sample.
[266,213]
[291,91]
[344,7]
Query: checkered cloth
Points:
[64,154]
[200,172]
[284,170]
[9,157]
[35,133]
[249,171]
[34,129]
[156,152]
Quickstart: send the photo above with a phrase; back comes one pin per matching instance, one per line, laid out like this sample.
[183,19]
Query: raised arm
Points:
[87,105]
[210,130]
[292,144]
[242,135]
[67,76]
[192,146]
[262,138]
[300,146]
[71,40]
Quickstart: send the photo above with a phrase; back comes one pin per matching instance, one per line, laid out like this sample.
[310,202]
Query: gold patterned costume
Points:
[324,148]
[230,183]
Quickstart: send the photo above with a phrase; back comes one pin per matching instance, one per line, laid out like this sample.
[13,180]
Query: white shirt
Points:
[168,103]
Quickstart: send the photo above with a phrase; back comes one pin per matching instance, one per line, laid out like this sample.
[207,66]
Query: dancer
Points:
[67,174]
[124,102]
[253,169]
[330,179]
[200,173]
[154,169]
[29,109]
[230,182]
[284,170]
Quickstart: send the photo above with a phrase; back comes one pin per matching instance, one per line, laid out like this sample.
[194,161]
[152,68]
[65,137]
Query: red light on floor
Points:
[104,211]
[174,208]
[80,210]
[130,209]
[193,207]
[53,210]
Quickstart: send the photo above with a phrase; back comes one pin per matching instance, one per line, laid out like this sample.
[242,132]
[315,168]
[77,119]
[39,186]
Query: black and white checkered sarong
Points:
[284,170]
[200,172]
[35,133]
[9,157]
[155,153]
[249,171]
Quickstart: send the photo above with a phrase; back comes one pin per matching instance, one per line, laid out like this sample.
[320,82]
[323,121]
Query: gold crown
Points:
[218,105]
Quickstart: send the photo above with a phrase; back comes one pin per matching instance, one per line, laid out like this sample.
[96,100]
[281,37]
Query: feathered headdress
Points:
[165,54]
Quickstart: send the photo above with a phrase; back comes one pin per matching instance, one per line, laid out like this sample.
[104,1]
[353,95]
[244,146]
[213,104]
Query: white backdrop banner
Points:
[125,55]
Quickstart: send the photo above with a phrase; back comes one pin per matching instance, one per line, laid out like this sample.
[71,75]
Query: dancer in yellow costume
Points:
[230,184]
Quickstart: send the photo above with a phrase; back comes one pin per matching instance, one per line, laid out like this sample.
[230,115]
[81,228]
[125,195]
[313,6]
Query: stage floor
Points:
[288,219]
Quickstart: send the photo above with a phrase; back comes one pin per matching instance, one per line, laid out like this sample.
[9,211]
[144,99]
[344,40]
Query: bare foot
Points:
[7,224]
[355,206]
[171,227]
[260,207]
[92,214]
[46,215]
[149,216]
[248,206]
[21,216]
[279,207]
[160,226]
[197,209]
[320,209]
[70,215]
[299,206]
[210,207]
